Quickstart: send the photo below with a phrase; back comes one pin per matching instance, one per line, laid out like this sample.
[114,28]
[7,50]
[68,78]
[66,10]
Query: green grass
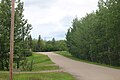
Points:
[39,76]
[68,55]
[42,62]
[40,58]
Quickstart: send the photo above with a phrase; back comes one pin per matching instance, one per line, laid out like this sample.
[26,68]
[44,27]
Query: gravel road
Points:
[84,71]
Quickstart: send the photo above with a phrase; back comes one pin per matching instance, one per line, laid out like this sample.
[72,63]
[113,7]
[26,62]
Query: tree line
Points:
[40,45]
[96,37]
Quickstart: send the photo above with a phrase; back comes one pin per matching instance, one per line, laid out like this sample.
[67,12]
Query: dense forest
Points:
[96,37]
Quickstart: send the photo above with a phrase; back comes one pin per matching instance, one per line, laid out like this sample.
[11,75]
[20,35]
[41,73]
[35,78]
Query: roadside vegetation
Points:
[40,63]
[24,44]
[68,55]
[36,62]
[39,76]
[22,30]
[96,37]
[27,66]
[40,45]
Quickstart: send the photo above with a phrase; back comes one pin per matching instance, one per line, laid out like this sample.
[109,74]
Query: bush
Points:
[27,53]
[27,65]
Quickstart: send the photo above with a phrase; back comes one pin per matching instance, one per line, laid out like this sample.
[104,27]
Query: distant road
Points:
[84,71]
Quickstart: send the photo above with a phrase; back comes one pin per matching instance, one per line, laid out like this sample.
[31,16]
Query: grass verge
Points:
[39,76]
[42,62]
[68,55]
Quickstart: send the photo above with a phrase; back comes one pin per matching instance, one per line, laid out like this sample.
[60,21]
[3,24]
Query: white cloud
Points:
[52,18]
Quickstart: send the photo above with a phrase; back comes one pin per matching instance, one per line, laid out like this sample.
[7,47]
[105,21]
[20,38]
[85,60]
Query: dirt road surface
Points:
[83,71]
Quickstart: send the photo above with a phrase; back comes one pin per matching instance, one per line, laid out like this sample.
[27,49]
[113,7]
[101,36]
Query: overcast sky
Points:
[52,18]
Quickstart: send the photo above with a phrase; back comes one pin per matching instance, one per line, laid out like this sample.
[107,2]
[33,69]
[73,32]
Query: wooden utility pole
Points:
[12,41]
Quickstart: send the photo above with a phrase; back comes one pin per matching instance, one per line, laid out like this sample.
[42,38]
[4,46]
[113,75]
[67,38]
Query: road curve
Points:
[84,71]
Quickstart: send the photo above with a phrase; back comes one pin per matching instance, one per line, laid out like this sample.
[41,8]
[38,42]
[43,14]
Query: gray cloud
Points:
[40,3]
[66,21]
[52,18]
[57,35]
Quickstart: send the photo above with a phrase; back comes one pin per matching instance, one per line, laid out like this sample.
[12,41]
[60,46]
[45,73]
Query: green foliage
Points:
[26,53]
[22,30]
[28,42]
[96,36]
[68,55]
[61,45]
[26,65]
[39,45]
[36,62]
[39,63]
[46,46]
